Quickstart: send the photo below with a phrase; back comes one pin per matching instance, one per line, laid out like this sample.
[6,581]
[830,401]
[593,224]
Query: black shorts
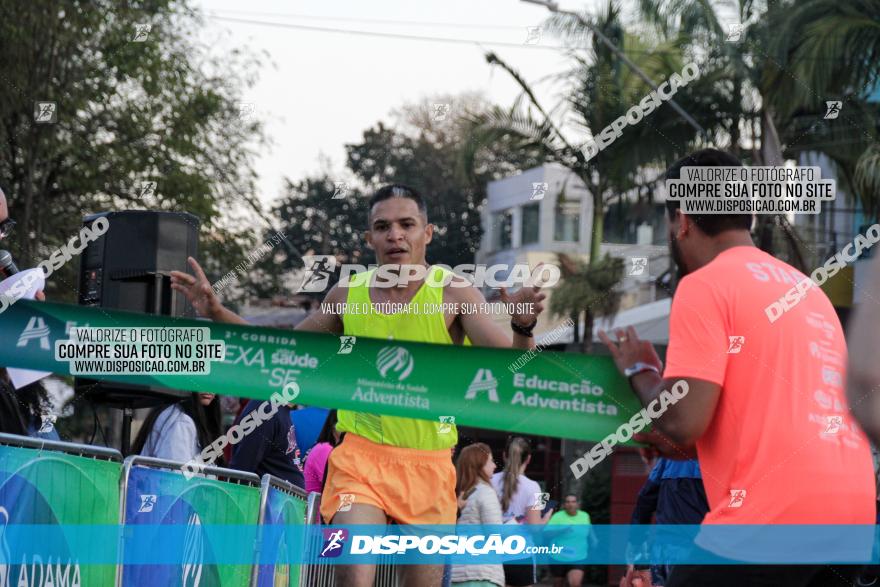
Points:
[521,575]
[762,575]
[562,570]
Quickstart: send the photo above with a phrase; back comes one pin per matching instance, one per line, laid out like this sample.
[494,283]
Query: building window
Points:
[568,222]
[530,223]
[502,225]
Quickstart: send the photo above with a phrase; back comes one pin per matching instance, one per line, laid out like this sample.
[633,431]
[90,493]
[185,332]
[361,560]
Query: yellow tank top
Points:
[414,326]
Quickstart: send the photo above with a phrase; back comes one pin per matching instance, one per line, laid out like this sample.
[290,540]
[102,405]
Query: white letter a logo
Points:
[35,329]
[483,382]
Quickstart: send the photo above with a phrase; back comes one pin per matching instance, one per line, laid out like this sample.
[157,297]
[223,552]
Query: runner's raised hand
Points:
[526,302]
[197,290]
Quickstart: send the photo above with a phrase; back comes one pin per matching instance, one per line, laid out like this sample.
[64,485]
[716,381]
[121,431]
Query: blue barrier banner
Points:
[177,530]
[232,545]
[66,495]
[282,534]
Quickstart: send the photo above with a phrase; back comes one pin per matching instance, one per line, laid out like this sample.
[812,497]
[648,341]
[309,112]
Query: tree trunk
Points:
[597,228]
[735,130]
[588,330]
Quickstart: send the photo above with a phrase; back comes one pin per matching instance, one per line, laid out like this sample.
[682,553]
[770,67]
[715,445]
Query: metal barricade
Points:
[276,498]
[239,489]
[323,575]
[47,482]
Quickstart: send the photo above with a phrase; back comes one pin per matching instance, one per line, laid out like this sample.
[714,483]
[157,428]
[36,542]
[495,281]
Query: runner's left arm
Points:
[477,325]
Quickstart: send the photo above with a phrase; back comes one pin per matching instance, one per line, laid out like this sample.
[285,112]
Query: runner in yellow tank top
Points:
[395,468]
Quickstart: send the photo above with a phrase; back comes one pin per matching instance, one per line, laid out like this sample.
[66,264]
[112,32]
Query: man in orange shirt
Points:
[765,409]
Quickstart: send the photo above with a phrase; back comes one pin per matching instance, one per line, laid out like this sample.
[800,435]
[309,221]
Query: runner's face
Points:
[571,505]
[206,398]
[398,232]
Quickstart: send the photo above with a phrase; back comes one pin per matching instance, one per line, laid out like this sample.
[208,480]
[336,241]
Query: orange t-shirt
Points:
[782,447]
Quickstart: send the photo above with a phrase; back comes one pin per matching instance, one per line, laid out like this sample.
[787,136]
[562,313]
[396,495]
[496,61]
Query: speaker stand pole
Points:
[127,414]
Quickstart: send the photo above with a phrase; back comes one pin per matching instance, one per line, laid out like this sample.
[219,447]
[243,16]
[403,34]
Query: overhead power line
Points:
[477,42]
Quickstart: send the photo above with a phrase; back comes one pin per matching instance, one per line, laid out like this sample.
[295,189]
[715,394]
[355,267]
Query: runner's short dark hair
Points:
[397,190]
[710,224]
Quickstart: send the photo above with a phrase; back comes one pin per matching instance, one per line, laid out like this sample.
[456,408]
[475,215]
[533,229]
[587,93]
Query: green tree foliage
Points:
[132,105]
[422,147]
[425,150]
[587,288]
[319,224]
[830,50]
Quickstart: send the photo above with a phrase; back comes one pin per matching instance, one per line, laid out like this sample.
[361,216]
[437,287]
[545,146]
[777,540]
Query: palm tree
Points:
[588,289]
[600,88]
[830,50]
[750,114]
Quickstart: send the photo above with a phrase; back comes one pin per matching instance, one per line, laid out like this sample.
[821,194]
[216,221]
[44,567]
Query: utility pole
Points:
[554,7]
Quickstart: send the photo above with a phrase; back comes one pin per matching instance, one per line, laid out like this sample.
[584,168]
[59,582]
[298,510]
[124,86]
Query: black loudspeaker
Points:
[129,268]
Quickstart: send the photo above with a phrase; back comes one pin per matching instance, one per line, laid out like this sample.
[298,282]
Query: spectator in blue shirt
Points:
[271,447]
[673,494]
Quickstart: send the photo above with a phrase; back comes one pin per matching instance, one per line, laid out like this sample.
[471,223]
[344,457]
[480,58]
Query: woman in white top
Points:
[181,431]
[519,497]
[480,506]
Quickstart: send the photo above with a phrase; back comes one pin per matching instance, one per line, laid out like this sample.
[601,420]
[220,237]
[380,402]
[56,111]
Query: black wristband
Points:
[523,330]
